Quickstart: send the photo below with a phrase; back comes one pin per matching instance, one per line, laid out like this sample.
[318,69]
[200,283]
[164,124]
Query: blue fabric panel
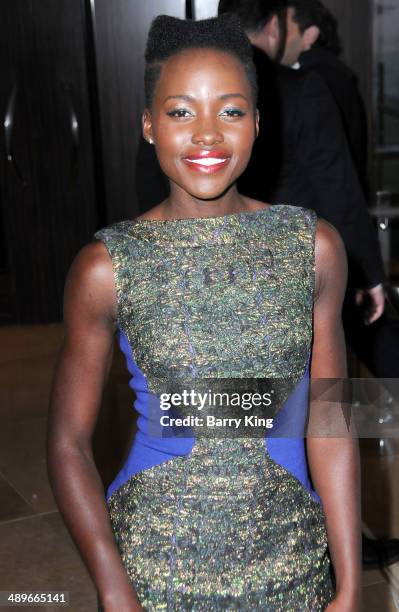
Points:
[146,450]
[286,441]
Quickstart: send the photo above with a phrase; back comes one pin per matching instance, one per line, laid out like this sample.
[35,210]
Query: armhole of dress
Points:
[313,229]
[109,243]
[112,242]
[312,265]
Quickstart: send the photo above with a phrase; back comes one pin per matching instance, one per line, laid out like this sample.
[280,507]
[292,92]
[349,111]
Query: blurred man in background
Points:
[302,156]
[313,45]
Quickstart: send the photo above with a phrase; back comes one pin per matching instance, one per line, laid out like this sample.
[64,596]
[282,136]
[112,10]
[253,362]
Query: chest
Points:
[224,310]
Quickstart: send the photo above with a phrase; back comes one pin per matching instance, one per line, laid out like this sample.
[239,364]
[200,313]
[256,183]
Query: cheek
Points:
[170,134]
[244,139]
[169,143]
[290,39]
[295,42]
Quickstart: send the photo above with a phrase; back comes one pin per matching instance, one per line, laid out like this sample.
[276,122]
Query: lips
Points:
[207,162]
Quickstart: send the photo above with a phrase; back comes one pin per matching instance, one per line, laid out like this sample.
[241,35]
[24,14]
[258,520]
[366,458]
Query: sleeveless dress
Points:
[229,522]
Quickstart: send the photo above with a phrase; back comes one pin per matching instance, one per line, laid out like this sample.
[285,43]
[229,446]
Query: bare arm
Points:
[82,368]
[334,462]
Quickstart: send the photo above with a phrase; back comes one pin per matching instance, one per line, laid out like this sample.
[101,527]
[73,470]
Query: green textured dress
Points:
[228,522]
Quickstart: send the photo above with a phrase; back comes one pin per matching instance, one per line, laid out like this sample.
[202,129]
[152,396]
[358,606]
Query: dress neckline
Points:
[192,232]
[202,219]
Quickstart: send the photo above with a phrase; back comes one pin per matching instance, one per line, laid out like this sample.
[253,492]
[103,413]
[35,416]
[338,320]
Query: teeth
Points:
[207,161]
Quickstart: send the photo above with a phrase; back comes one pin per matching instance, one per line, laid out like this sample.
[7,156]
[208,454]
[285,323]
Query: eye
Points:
[180,113]
[233,113]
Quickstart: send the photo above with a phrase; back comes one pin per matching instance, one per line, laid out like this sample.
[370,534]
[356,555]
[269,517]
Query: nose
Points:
[207,134]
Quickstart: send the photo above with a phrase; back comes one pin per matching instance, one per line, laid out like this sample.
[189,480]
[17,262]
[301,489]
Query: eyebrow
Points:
[192,99]
[233,95]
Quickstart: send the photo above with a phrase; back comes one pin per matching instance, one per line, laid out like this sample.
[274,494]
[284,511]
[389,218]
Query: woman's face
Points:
[202,121]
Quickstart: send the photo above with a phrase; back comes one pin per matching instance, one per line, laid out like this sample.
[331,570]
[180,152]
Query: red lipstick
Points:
[207,162]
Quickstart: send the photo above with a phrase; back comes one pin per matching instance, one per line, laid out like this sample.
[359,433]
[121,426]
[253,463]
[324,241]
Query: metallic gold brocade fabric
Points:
[222,296]
[224,527]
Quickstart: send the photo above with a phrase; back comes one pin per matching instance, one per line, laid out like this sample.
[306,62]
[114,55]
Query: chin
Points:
[207,191]
[207,196]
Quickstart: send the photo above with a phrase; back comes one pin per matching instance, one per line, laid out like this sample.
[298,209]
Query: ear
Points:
[309,37]
[273,28]
[146,121]
[256,123]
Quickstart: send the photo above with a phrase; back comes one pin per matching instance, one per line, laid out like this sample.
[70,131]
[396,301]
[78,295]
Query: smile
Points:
[207,165]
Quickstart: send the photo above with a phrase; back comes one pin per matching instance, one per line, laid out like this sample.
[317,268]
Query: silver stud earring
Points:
[150,140]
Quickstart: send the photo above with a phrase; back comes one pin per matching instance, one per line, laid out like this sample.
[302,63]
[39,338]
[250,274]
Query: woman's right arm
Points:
[90,314]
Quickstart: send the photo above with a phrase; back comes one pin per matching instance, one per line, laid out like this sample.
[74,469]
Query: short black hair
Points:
[253,14]
[170,35]
[313,13]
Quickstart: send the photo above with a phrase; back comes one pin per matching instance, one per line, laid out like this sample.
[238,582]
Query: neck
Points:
[181,204]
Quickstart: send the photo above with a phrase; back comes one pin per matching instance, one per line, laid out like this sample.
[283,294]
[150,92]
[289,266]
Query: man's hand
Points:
[376,297]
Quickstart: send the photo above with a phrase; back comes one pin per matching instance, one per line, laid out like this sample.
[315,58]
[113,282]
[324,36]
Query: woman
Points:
[207,285]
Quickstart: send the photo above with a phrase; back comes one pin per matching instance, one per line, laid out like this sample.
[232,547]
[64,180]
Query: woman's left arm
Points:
[334,462]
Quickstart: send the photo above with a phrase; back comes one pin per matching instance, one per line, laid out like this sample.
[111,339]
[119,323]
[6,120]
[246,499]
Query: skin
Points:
[334,462]
[178,126]
[208,122]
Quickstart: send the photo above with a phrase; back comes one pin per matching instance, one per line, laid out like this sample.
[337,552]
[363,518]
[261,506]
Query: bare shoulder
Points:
[328,242]
[90,286]
[330,258]
[92,264]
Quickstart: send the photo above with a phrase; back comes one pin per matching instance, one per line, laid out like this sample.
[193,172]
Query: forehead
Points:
[211,70]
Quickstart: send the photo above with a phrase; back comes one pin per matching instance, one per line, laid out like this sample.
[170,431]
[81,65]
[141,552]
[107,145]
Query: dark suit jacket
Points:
[343,86]
[301,158]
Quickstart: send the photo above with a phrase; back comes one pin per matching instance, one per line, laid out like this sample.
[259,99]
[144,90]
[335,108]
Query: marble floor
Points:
[37,552]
